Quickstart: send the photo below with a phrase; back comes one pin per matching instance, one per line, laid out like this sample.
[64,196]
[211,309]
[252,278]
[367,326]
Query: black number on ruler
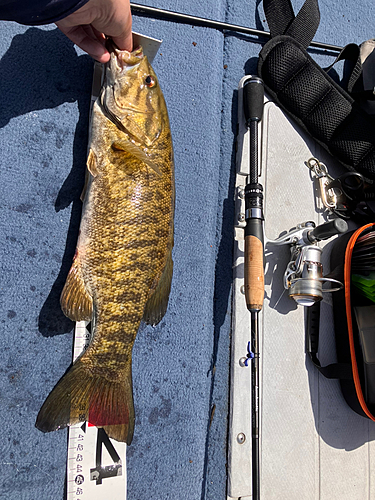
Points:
[100,472]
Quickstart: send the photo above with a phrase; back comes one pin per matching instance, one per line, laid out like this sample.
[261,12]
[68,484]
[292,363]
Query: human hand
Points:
[88,26]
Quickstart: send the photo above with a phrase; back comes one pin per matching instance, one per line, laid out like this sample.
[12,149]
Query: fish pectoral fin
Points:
[157,304]
[81,395]
[133,149]
[76,302]
[91,169]
[91,163]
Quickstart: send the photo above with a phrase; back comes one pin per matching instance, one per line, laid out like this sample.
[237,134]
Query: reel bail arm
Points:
[303,277]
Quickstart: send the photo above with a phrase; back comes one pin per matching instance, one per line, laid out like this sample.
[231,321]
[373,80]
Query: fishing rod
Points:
[253,94]
[177,17]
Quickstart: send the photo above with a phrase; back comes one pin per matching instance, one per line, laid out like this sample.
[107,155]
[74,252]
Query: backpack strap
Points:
[319,105]
[282,21]
[353,78]
[303,26]
[342,371]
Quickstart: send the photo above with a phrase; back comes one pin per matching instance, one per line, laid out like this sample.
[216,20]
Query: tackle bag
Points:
[304,90]
[354,322]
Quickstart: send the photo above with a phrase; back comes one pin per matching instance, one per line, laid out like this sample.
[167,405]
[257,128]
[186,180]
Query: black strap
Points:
[282,21]
[302,27]
[342,371]
[351,52]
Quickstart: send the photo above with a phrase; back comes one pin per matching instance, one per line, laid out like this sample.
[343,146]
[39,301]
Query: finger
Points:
[91,32]
[117,25]
[100,36]
[124,41]
[95,34]
[86,39]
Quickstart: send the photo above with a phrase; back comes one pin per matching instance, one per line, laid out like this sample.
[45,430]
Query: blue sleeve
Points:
[34,12]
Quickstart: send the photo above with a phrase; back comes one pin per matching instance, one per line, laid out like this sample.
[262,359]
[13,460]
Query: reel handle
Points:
[327,230]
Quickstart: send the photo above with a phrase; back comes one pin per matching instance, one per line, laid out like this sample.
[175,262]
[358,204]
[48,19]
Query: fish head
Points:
[132,97]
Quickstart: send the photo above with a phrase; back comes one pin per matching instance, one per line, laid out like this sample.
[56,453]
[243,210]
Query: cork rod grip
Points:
[254,273]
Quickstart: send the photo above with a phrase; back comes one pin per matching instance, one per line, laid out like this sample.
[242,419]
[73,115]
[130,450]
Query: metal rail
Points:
[144,10]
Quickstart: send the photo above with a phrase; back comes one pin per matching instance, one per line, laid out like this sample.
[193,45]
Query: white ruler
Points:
[96,464]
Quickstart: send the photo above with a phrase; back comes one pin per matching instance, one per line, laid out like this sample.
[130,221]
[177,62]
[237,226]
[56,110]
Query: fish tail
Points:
[81,395]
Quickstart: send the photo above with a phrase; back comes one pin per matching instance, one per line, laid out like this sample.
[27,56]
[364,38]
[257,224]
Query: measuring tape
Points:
[96,464]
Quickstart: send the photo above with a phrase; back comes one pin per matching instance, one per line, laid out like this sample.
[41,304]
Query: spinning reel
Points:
[303,277]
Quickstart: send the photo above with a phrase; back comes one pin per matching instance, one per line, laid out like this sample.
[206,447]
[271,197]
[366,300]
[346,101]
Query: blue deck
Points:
[180,367]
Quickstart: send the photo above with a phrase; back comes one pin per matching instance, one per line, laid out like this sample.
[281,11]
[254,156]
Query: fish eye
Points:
[149,81]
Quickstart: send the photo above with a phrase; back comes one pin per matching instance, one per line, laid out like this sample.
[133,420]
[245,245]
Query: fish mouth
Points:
[123,59]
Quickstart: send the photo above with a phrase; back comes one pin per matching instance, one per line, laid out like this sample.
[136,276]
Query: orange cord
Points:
[347,281]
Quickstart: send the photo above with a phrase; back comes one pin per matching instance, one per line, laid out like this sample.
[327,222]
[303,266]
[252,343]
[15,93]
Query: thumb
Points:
[117,24]
[124,41]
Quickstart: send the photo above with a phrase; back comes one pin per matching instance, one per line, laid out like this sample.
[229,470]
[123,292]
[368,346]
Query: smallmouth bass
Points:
[122,269]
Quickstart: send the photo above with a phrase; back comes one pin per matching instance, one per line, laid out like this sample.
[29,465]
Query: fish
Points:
[122,269]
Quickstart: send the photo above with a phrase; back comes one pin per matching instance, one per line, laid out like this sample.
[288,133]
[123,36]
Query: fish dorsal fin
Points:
[136,151]
[76,302]
[157,304]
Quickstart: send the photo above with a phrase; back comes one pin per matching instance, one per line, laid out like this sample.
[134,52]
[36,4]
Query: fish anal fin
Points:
[157,304]
[81,395]
[76,302]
